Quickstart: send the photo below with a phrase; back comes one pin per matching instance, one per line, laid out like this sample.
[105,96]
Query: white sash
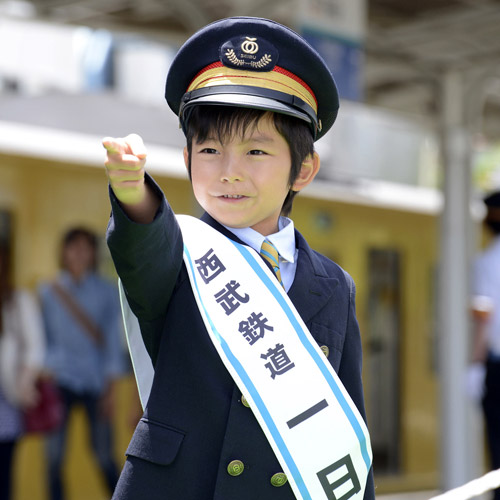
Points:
[309,419]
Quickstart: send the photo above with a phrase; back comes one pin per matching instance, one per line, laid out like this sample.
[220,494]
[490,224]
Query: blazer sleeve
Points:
[352,357]
[148,258]
[350,370]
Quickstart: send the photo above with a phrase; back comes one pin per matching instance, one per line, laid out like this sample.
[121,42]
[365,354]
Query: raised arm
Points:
[125,160]
[143,236]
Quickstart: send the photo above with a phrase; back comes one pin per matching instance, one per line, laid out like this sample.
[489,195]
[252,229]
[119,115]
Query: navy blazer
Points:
[195,423]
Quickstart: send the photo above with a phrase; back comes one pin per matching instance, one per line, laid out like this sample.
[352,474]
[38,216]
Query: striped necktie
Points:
[269,252]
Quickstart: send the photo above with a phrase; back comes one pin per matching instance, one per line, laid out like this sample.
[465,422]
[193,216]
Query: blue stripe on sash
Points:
[255,395]
[305,341]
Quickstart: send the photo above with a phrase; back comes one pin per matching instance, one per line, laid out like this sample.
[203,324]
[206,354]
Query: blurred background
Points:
[397,202]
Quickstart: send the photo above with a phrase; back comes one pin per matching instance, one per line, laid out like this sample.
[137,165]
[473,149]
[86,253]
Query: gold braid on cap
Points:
[278,79]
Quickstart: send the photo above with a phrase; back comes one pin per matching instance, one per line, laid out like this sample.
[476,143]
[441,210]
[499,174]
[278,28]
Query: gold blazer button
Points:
[279,479]
[235,468]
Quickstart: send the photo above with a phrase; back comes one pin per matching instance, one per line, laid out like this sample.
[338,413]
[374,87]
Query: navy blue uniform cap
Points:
[255,63]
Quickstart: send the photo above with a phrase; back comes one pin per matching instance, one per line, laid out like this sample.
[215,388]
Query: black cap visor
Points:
[247,97]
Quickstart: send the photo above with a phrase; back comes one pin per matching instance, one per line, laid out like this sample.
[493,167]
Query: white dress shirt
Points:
[283,240]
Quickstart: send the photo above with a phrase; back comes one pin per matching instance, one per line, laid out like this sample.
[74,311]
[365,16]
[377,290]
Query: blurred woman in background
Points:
[22,349]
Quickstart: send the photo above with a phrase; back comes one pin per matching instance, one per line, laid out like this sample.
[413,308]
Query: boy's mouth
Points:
[233,196]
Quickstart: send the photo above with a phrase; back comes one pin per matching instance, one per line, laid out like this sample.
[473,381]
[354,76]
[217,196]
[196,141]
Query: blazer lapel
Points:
[312,287]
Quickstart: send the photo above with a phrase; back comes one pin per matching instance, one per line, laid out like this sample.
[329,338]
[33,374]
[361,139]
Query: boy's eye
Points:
[257,152]
[210,151]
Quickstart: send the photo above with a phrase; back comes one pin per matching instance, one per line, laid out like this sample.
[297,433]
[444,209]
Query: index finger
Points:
[114,146]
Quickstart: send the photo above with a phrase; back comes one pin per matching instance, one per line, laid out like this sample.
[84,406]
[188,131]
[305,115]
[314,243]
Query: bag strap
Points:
[81,316]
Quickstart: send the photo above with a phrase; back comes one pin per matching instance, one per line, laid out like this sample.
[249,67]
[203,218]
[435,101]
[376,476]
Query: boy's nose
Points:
[231,170]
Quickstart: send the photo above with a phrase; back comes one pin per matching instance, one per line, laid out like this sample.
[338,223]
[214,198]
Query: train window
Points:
[383,367]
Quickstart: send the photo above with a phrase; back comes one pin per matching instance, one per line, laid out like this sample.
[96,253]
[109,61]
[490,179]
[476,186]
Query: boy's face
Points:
[243,182]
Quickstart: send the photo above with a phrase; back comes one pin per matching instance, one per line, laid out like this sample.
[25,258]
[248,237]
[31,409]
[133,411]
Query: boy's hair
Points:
[224,122]
[74,234]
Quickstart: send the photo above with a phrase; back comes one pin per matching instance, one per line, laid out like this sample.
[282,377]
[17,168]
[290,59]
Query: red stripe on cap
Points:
[214,65]
[291,75]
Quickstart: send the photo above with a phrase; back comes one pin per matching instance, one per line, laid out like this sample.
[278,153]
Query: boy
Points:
[251,96]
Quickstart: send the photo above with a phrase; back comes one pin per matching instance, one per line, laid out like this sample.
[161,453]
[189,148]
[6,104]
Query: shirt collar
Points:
[283,240]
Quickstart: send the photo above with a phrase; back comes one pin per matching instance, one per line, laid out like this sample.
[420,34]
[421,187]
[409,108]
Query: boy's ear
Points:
[186,157]
[308,170]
